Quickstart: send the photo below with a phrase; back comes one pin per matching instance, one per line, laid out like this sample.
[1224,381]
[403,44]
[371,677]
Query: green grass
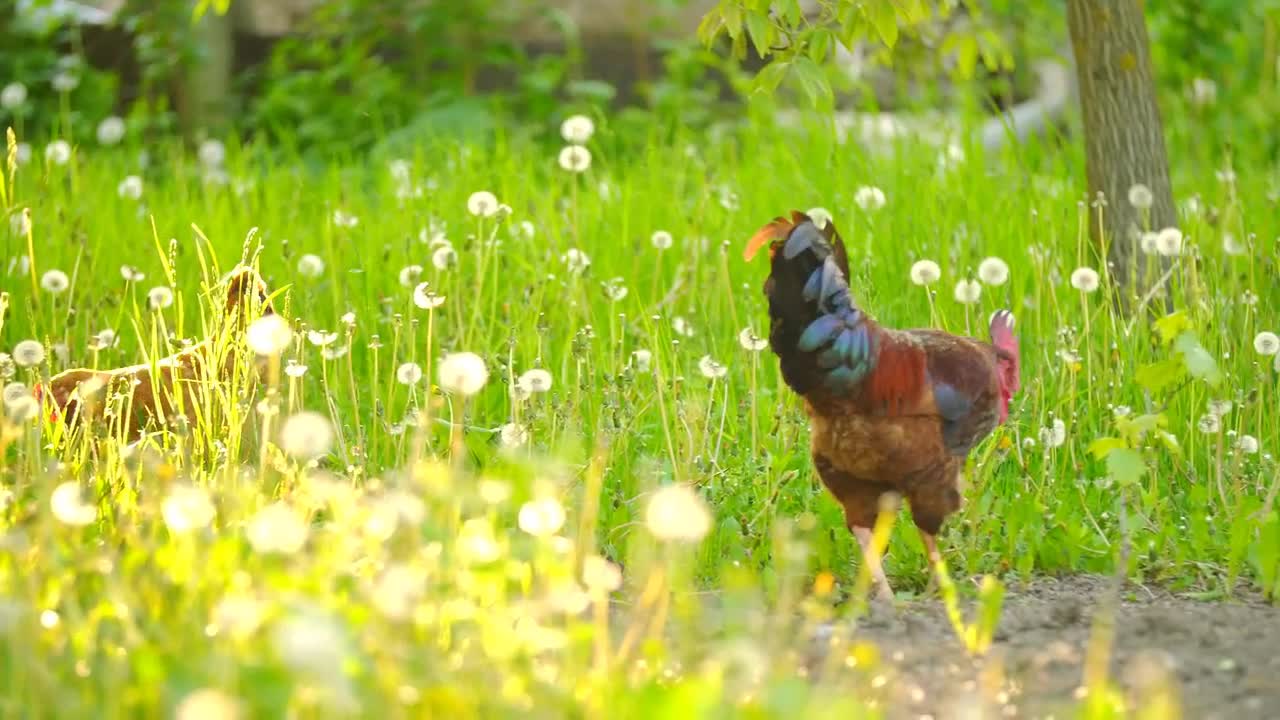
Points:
[137,624]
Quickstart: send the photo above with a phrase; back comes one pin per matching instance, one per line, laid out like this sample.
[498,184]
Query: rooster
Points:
[179,381]
[892,412]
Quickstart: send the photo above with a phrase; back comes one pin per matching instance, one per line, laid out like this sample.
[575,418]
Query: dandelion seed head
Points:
[277,529]
[1085,279]
[1231,245]
[1055,435]
[601,575]
[12,392]
[310,266]
[577,129]
[1149,243]
[750,341]
[968,292]
[28,353]
[306,435]
[681,326]
[69,507]
[993,271]
[1209,424]
[1140,196]
[269,335]
[869,198]
[343,219]
[576,261]
[58,152]
[541,518]
[23,408]
[1203,91]
[1247,444]
[1169,242]
[159,297]
[294,369]
[187,508]
[409,373]
[111,130]
[207,704]
[409,275]
[678,513]
[13,96]
[536,380]
[321,338]
[463,373]
[425,298]
[64,81]
[1221,408]
[23,153]
[711,369]
[444,257]
[641,360]
[130,187]
[1266,343]
[925,272]
[661,239]
[513,435]
[212,153]
[55,282]
[574,159]
[482,204]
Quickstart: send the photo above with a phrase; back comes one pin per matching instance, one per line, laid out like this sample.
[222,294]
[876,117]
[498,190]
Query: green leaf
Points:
[771,76]
[1103,446]
[1170,441]
[966,56]
[1199,362]
[1157,376]
[820,44]
[711,26]
[813,82]
[884,18]
[1171,326]
[1126,466]
[761,32]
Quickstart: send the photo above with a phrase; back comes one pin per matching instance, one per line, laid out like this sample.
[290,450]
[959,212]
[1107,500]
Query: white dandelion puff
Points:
[130,187]
[541,518]
[1140,196]
[409,275]
[993,271]
[661,239]
[1221,408]
[111,130]
[69,507]
[711,369]
[681,326]
[1085,279]
[13,96]
[444,257]
[513,435]
[1203,91]
[28,353]
[409,373]
[268,335]
[463,373]
[310,266]
[321,338]
[575,261]
[58,152]
[574,159]
[425,298]
[55,282]
[677,512]
[534,381]
[615,289]
[343,219]
[208,704]
[577,129]
[1169,242]
[1055,435]
[869,198]
[1231,245]
[187,508]
[212,153]
[1266,343]
[750,341]
[1149,243]
[277,529]
[1209,424]
[159,297]
[600,574]
[641,360]
[306,435]
[968,292]
[482,204]
[925,272]
[1247,444]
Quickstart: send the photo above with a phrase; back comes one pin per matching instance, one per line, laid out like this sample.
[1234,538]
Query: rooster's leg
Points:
[869,556]
[931,550]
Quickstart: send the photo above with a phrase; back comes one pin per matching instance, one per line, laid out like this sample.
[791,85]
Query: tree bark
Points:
[1123,132]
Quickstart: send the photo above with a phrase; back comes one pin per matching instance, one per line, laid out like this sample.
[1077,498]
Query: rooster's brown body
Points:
[892,412]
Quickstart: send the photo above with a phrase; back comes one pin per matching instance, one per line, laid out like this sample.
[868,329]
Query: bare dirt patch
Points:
[1222,658]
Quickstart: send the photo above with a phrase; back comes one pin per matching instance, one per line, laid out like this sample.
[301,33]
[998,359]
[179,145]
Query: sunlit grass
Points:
[465,545]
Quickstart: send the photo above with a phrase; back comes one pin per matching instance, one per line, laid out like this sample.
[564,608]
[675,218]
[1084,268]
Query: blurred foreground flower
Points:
[69,507]
[277,529]
[463,373]
[677,512]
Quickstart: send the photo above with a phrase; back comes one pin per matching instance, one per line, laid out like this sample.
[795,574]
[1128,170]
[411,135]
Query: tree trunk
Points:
[1123,132]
